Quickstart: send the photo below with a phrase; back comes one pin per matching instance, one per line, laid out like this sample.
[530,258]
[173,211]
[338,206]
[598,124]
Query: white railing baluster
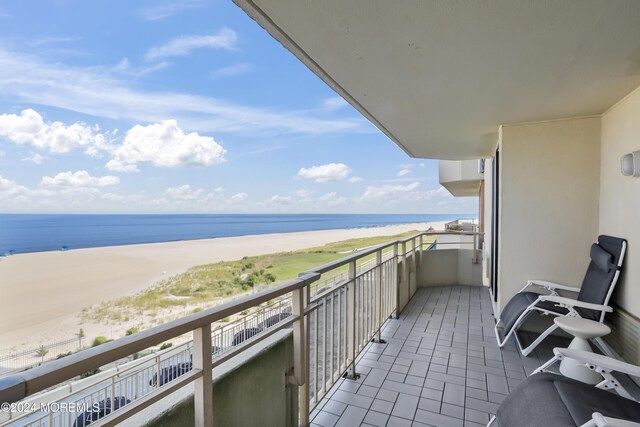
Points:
[341,335]
[316,363]
[324,345]
[351,319]
[379,270]
[203,385]
[333,334]
[305,389]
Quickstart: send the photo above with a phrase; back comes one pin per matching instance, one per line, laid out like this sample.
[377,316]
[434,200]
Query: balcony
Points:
[440,366]
[387,335]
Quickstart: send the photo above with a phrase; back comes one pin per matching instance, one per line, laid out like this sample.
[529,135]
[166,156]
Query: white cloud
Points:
[113,197]
[233,70]
[29,128]
[170,8]
[47,40]
[304,194]
[388,191]
[184,192]
[279,200]
[326,173]
[355,179]
[332,200]
[183,45]
[124,66]
[79,179]
[218,190]
[9,188]
[333,104]
[404,172]
[165,145]
[238,198]
[34,158]
[105,92]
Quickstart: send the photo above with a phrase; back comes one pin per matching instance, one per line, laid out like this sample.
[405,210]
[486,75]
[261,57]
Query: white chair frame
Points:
[603,365]
[553,296]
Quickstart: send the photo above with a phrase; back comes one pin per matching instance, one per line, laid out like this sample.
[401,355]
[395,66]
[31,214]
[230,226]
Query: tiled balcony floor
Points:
[440,367]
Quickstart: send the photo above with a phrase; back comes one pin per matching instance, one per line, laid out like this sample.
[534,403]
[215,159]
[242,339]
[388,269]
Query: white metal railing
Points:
[335,310]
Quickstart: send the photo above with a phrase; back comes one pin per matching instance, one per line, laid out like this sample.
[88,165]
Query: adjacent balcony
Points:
[398,334]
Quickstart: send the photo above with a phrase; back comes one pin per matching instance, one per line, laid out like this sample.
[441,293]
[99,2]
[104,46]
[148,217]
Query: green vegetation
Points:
[61,355]
[132,331]
[90,373]
[206,283]
[166,346]
[100,340]
[41,352]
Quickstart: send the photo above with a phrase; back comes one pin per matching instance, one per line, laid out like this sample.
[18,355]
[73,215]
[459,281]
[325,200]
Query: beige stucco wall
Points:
[443,267]
[549,201]
[620,195]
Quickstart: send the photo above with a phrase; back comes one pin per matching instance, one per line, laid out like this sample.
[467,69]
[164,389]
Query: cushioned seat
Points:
[549,400]
[520,302]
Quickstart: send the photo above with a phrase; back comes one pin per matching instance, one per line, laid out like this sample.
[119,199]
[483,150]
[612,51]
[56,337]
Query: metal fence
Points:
[24,359]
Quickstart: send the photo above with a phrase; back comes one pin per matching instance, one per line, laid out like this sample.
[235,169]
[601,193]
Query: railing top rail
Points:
[438,233]
[19,386]
[350,258]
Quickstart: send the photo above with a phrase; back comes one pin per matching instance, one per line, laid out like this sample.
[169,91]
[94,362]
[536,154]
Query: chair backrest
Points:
[602,274]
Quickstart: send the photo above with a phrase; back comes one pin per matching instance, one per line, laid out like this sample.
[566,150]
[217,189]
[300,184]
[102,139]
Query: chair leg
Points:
[513,329]
[527,350]
[491,421]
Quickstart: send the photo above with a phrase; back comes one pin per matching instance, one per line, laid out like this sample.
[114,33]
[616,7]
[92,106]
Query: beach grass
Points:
[204,284]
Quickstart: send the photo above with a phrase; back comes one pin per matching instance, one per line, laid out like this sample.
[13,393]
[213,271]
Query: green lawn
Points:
[205,283]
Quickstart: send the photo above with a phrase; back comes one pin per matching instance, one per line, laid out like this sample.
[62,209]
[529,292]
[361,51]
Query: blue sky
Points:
[184,106]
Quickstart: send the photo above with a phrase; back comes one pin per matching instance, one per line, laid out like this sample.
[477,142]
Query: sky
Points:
[184,106]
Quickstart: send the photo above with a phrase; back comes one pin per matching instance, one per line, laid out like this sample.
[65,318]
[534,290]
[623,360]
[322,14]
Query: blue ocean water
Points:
[21,233]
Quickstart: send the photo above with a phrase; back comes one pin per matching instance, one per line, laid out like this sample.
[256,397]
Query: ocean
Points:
[22,233]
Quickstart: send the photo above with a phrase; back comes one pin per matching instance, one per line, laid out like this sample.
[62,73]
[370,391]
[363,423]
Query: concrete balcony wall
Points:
[445,267]
[549,202]
[408,285]
[460,178]
[248,390]
[619,207]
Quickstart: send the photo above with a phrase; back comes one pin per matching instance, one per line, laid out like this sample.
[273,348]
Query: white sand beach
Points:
[43,293]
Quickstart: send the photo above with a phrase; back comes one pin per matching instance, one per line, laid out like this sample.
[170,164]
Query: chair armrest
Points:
[574,303]
[599,420]
[604,362]
[552,286]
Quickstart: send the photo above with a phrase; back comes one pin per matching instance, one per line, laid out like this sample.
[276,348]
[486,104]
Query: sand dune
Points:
[44,293]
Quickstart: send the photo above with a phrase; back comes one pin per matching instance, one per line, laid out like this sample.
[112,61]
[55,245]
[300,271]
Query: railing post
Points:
[474,258]
[300,357]
[421,248]
[351,320]
[405,267]
[203,386]
[397,281]
[378,286]
[414,260]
